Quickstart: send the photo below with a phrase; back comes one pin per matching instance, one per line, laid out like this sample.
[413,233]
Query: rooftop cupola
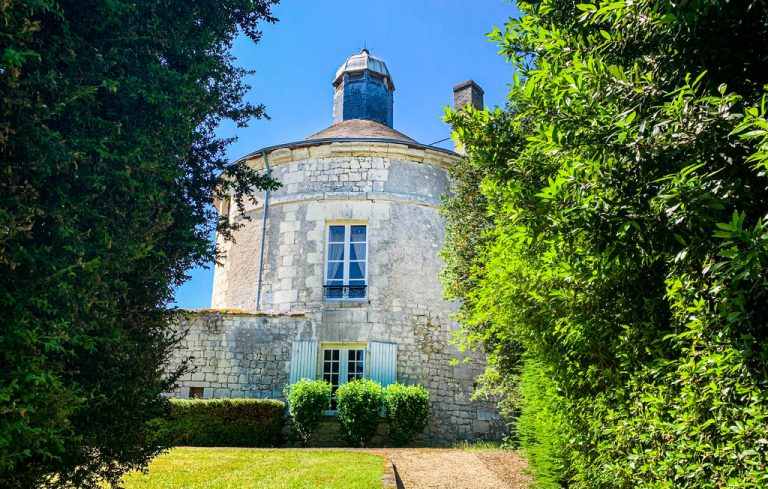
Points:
[363,89]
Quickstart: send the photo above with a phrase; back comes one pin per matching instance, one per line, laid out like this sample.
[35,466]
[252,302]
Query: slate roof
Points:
[360,128]
[364,60]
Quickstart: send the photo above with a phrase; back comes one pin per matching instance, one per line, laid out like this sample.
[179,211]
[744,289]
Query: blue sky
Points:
[429,46]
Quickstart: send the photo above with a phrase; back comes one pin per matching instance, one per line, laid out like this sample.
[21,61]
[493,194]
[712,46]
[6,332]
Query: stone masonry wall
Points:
[395,191]
[237,354]
[248,355]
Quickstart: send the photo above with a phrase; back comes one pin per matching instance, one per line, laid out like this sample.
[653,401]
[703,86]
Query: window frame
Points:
[343,366]
[196,392]
[346,260]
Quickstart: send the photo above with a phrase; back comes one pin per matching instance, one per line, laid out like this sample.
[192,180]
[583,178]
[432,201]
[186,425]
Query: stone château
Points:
[335,275]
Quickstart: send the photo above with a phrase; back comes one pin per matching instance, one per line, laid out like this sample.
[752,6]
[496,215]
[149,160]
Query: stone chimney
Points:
[464,93]
[468,92]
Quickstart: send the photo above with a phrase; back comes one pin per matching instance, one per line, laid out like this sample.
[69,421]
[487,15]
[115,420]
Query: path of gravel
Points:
[422,468]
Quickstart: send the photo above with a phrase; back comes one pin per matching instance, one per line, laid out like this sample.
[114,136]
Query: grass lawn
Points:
[189,468]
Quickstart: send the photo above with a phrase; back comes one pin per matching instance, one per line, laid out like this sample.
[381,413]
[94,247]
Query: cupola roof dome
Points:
[362,61]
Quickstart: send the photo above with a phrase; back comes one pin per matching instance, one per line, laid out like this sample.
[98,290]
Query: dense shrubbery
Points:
[541,427]
[407,411]
[109,162]
[620,247]
[359,404]
[223,423]
[307,401]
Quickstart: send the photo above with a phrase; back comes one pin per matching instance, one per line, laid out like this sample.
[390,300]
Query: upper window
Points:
[346,276]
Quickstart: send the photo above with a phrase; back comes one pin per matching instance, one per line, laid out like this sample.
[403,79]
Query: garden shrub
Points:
[223,423]
[110,162]
[407,411]
[622,241]
[541,426]
[307,400]
[359,404]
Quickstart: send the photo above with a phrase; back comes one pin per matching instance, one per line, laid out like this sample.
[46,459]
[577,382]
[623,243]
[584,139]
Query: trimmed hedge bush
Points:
[407,411]
[542,426]
[307,400]
[359,404]
[223,422]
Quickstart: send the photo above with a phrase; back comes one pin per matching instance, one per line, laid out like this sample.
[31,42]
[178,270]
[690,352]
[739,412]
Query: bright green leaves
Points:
[618,241]
[754,128]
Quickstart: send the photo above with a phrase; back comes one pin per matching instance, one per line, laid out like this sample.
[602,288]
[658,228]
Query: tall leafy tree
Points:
[627,255]
[109,163]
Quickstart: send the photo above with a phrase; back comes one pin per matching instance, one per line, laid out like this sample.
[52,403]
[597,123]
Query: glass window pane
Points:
[335,234]
[355,364]
[327,354]
[336,251]
[358,234]
[336,355]
[335,270]
[357,251]
[356,270]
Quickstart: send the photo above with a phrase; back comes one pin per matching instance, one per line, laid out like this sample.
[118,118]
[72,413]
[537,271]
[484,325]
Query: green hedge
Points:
[542,426]
[622,241]
[359,404]
[407,411]
[308,400]
[223,422]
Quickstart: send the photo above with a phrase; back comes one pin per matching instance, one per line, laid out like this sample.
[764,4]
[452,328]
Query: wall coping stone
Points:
[243,313]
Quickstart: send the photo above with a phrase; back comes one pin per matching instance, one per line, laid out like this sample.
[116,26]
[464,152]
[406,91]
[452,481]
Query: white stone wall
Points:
[238,354]
[248,355]
[395,190]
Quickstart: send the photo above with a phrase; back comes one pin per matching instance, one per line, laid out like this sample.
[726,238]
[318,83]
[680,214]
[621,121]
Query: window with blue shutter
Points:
[341,365]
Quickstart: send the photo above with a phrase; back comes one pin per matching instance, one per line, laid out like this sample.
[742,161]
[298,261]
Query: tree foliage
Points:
[109,164]
[625,251]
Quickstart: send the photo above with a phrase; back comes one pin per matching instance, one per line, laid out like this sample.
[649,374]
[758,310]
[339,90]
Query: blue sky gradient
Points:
[429,46]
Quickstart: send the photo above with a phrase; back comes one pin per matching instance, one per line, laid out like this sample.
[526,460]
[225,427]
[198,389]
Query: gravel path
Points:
[422,468]
[445,468]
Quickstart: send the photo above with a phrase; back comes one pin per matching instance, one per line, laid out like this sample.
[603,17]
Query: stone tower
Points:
[363,89]
[335,275]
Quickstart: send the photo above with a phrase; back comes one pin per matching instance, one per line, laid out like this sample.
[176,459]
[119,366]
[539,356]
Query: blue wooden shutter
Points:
[303,360]
[383,366]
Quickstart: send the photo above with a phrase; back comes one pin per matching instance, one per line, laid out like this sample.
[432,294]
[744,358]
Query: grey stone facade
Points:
[236,354]
[394,188]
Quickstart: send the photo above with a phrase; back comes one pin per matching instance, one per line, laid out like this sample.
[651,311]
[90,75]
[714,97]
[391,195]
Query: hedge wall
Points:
[223,422]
